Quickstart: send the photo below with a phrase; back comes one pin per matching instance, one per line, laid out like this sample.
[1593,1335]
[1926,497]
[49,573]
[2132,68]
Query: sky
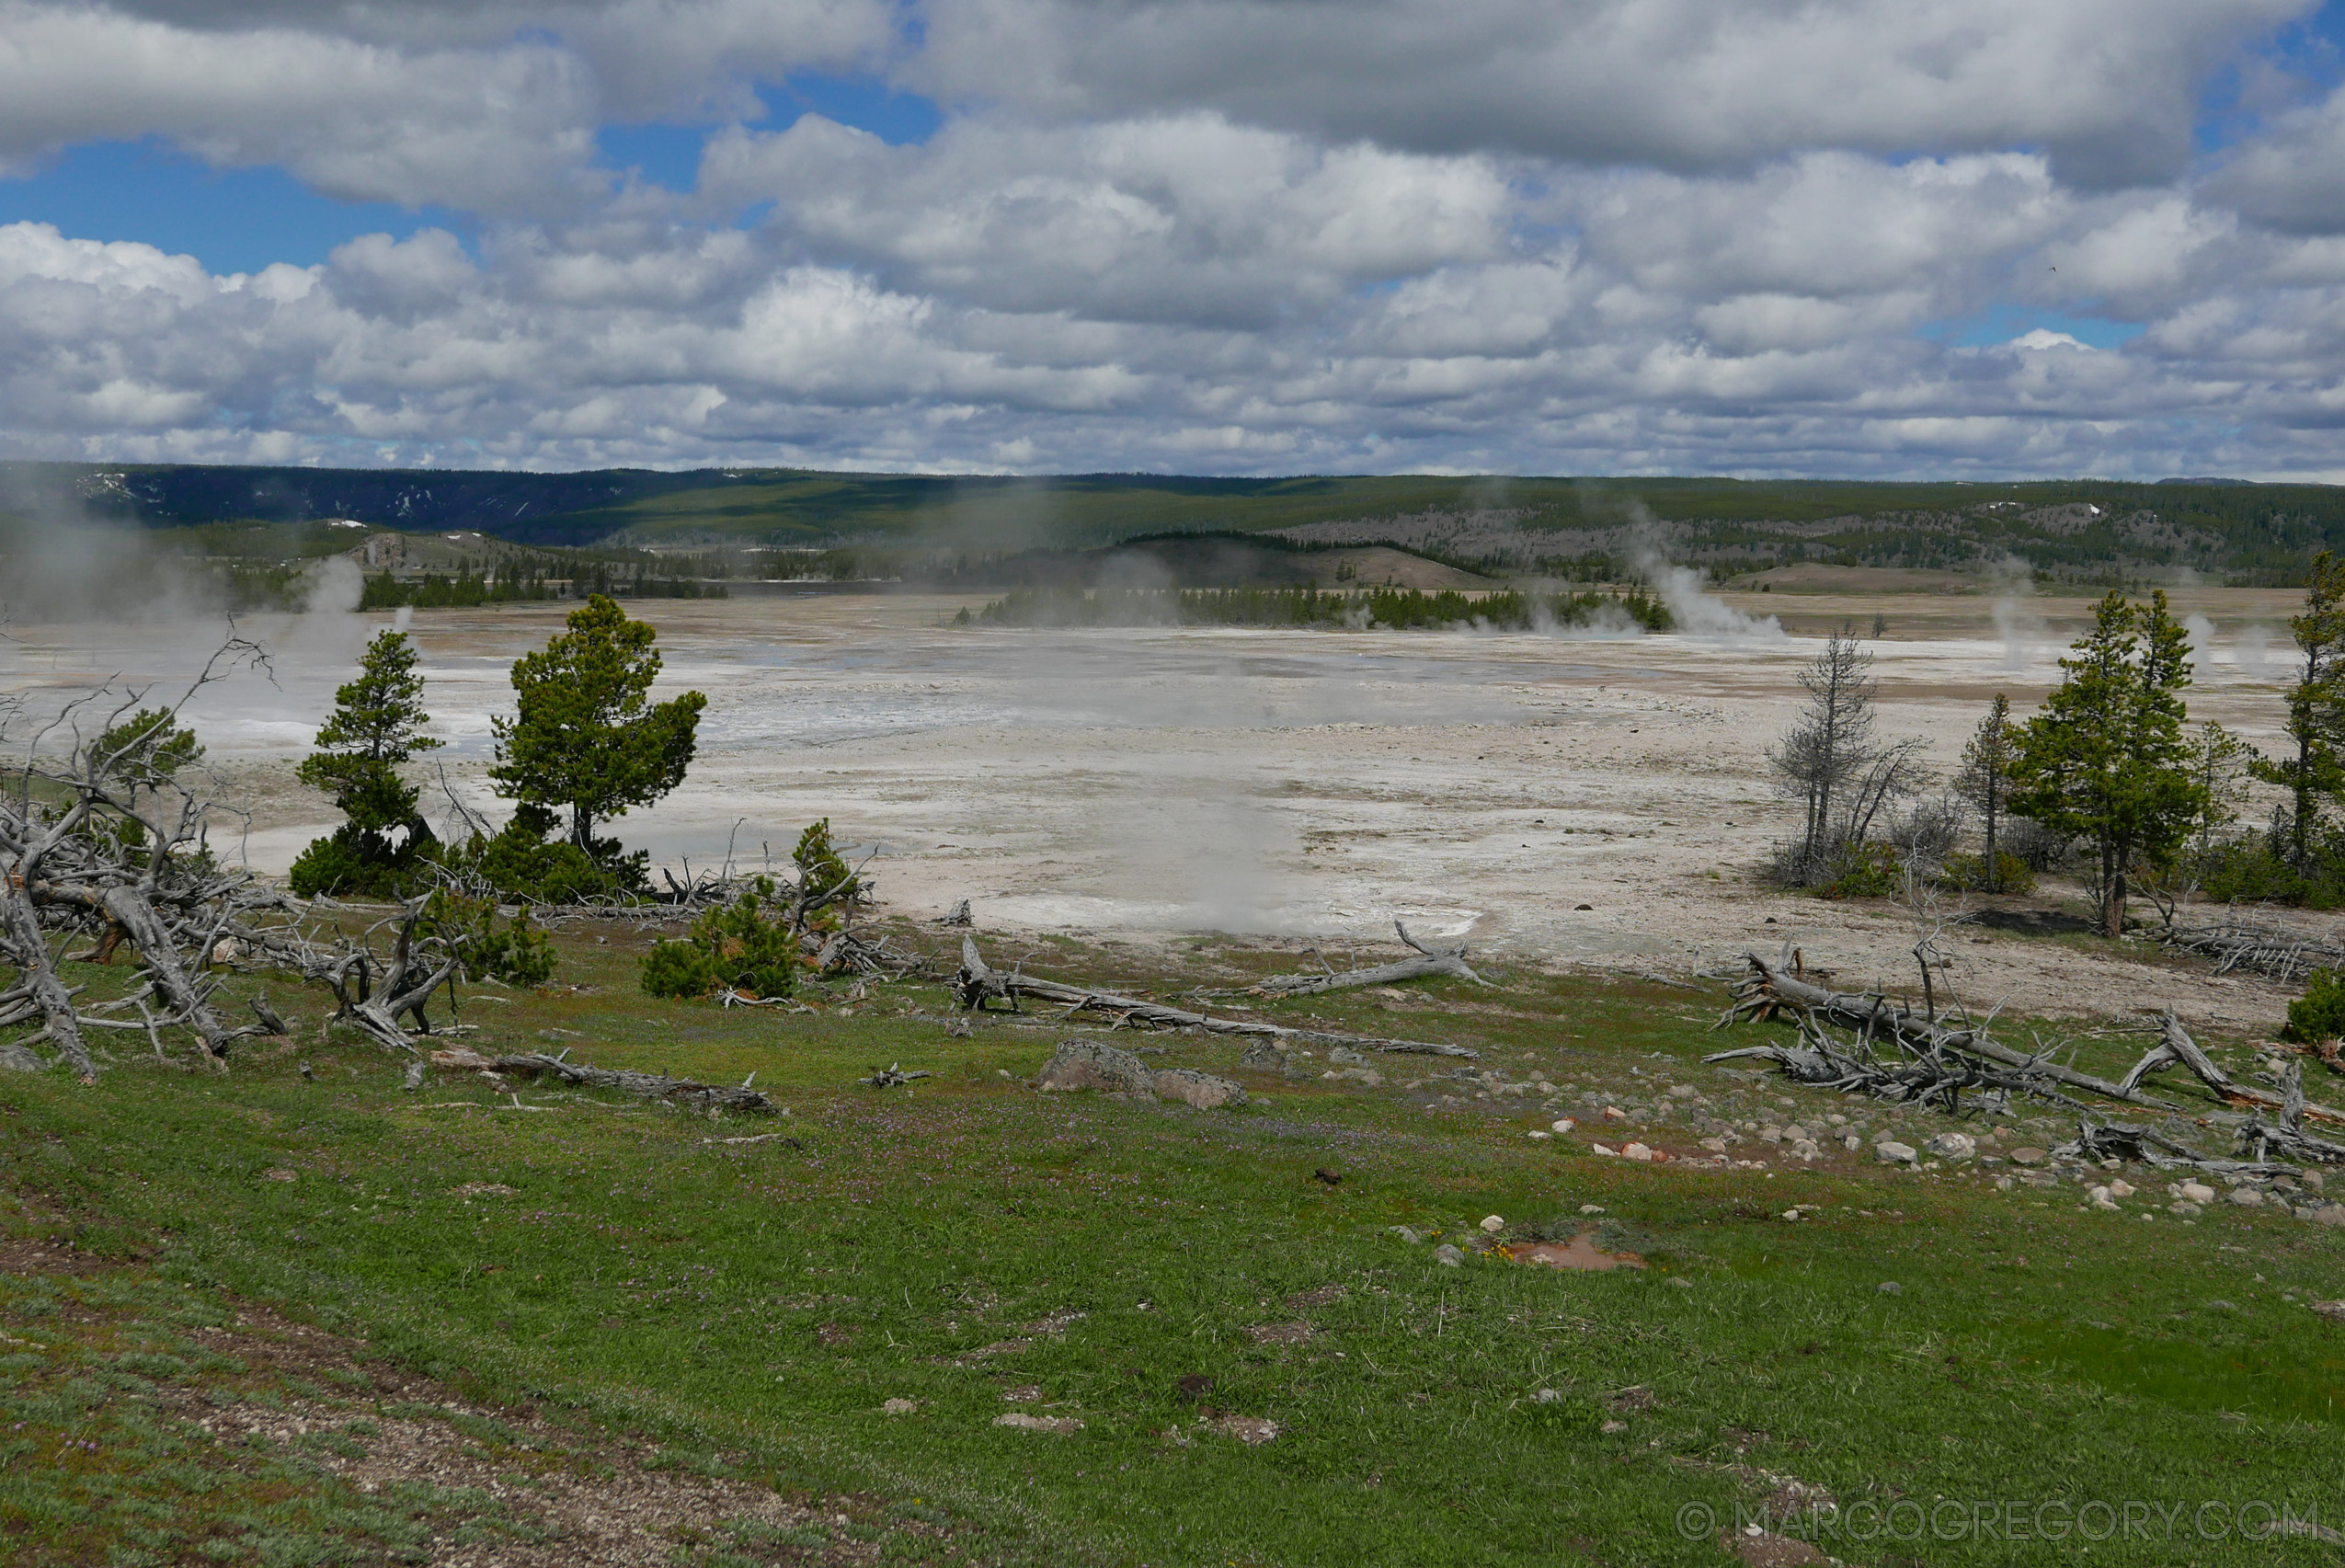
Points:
[1837,238]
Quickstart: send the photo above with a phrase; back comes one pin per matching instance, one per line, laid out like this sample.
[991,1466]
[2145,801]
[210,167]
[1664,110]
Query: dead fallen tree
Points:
[977,985]
[1911,1058]
[2236,943]
[1450,963]
[1768,990]
[683,1092]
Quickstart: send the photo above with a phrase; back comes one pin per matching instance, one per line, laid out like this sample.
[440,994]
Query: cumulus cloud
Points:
[1235,235]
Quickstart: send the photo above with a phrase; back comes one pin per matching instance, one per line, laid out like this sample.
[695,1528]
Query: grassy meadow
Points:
[629,1281]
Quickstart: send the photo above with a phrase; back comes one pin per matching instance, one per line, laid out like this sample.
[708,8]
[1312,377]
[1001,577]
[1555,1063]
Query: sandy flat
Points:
[1297,783]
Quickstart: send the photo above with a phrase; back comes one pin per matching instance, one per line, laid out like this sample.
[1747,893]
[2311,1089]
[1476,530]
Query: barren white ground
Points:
[1301,784]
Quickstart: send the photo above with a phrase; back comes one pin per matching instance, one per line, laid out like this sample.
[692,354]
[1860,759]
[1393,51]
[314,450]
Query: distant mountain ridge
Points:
[2080,529]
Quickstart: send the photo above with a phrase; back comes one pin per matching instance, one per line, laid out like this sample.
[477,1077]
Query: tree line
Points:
[2109,767]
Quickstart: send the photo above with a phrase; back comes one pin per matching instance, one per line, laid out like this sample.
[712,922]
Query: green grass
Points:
[765,1300]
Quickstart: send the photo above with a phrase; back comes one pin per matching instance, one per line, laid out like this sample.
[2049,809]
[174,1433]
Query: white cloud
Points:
[1242,235]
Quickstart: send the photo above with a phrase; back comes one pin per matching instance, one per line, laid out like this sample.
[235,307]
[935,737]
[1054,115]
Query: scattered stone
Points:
[1591,1208]
[1263,1056]
[2101,1197]
[900,1406]
[1492,1224]
[2333,1310]
[15,1058]
[1203,1089]
[1024,1423]
[1250,1430]
[1448,1256]
[2034,1157]
[1087,1064]
[1407,1235]
[1602,1149]
[1564,1125]
[2332,1214]
[2246,1197]
[2183,1207]
[1639,1152]
[1281,1334]
[1954,1146]
[1680,1281]
[2195,1192]
[1614,1426]
[1890,1287]
[1764,1549]
[1550,1396]
[280,1175]
[2120,1187]
[481,1190]
[1025,1393]
[1615,1113]
[1891,1153]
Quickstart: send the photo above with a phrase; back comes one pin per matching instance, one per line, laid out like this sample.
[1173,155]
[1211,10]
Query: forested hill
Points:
[2069,529]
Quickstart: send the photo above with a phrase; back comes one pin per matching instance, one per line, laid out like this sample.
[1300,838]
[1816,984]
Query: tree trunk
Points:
[2113,894]
[1993,880]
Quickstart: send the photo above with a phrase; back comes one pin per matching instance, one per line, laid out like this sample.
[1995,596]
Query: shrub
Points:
[2319,1013]
[1969,871]
[2038,847]
[739,947]
[354,862]
[1869,870]
[517,953]
[521,863]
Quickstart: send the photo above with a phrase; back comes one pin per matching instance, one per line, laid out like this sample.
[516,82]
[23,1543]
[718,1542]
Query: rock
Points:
[1201,1090]
[1262,1056]
[1895,1153]
[1614,1426]
[1024,1393]
[1890,1287]
[2246,1197]
[900,1406]
[2121,1188]
[1492,1224]
[1406,1234]
[1591,1208]
[1026,1422]
[1715,1145]
[1680,1281]
[15,1058]
[2183,1208]
[1615,1113]
[2331,1213]
[1795,1133]
[2333,1310]
[1770,1134]
[2029,1156]
[1545,1396]
[1954,1146]
[1602,1149]
[1564,1125]
[1448,1256]
[2195,1192]
[1637,1151]
[1087,1064]
[1343,1056]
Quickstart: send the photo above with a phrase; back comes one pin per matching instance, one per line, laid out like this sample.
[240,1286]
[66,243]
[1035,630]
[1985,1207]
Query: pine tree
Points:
[377,723]
[2106,759]
[584,737]
[1986,781]
[2315,711]
[142,750]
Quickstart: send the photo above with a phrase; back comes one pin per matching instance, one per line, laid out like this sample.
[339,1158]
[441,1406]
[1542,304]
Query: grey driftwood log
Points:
[977,984]
[643,1085]
[1448,962]
[1089,1064]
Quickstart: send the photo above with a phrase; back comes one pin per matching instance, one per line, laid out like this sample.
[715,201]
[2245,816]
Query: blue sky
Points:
[242,218]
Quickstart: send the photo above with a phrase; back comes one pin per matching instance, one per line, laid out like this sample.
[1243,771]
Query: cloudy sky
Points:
[1837,237]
